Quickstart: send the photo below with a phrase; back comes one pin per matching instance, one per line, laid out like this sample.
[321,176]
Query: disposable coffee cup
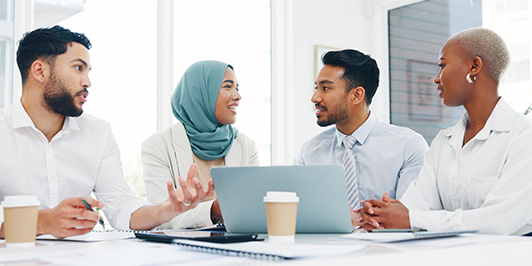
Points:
[281,214]
[20,220]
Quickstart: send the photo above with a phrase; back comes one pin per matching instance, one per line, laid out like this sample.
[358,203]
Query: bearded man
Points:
[50,150]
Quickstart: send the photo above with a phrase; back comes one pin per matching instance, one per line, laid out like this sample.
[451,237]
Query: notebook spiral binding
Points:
[230,252]
[122,231]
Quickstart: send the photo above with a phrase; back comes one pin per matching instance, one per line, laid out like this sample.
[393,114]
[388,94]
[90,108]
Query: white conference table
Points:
[475,249]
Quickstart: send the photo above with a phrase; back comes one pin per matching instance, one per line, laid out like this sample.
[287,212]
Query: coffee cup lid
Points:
[281,196]
[20,201]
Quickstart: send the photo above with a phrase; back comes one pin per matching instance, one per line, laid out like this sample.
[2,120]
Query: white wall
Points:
[299,25]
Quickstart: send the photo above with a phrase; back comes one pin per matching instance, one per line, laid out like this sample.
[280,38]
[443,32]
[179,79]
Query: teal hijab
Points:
[194,102]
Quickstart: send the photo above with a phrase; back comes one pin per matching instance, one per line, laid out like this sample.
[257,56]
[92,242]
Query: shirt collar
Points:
[502,117]
[360,134]
[70,124]
[22,119]
[501,120]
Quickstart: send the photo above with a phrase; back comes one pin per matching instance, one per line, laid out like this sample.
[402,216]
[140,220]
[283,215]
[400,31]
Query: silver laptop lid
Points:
[323,206]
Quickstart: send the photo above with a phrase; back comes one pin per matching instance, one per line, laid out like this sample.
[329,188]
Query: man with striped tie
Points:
[377,157]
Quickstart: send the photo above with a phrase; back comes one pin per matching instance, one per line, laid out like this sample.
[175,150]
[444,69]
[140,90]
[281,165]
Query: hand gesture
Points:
[189,194]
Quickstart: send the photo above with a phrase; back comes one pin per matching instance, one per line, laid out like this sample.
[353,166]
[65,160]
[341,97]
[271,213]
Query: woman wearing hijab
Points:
[477,174]
[204,102]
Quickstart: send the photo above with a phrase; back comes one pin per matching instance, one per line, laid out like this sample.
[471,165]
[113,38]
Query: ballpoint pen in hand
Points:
[90,209]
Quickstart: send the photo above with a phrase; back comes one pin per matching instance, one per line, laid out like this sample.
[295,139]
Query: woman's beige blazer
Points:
[167,155]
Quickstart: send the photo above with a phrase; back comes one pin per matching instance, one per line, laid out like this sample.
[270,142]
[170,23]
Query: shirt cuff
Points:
[124,216]
[436,220]
[194,218]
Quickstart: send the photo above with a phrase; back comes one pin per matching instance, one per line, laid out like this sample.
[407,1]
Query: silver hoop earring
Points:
[468,78]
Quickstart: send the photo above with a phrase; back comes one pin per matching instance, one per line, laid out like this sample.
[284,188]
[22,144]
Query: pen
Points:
[90,209]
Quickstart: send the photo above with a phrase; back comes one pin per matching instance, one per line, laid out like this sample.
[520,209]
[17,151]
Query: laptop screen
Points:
[322,208]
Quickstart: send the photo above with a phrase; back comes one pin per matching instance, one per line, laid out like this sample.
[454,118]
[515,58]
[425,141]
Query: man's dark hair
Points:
[46,44]
[360,70]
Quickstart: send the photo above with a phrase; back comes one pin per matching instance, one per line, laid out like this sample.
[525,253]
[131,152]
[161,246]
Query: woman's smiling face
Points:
[228,99]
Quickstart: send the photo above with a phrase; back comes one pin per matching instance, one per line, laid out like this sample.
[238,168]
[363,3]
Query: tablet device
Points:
[323,205]
[216,237]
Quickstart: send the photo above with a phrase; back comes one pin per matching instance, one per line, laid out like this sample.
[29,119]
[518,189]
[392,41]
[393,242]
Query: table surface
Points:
[474,249]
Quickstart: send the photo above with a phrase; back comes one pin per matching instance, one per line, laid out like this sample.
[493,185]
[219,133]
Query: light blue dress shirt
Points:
[387,157]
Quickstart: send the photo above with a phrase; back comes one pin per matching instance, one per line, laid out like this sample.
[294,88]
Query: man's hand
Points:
[69,218]
[385,213]
[189,194]
[356,218]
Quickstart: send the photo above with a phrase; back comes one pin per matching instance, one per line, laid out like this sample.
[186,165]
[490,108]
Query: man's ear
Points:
[39,71]
[357,95]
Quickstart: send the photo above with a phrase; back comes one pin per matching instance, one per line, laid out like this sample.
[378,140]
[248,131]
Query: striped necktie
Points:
[348,161]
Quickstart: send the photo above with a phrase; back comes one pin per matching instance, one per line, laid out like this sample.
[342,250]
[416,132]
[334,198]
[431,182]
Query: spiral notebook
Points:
[268,251]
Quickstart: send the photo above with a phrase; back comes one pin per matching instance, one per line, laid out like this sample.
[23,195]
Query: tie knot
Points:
[349,142]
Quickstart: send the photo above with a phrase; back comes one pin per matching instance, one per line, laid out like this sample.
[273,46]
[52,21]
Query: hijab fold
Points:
[193,104]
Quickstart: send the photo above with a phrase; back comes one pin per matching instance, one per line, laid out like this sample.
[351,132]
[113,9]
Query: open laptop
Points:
[323,205]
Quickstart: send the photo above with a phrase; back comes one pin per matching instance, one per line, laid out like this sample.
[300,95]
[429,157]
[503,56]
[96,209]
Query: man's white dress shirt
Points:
[81,158]
[388,158]
[484,185]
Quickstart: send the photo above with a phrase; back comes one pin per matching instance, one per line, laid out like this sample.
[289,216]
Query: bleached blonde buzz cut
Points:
[487,45]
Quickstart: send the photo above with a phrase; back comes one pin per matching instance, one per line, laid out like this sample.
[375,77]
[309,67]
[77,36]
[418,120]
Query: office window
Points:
[6,51]
[124,61]
[4,9]
[123,34]
[416,34]
[236,32]
[5,91]
[512,21]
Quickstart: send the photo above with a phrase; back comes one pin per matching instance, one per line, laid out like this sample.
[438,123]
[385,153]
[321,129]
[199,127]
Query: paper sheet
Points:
[131,253]
[93,236]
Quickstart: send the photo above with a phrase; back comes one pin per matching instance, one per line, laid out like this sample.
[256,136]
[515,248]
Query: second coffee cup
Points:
[281,215]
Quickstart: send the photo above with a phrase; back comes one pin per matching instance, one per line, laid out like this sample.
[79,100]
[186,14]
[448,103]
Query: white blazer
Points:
[167,155]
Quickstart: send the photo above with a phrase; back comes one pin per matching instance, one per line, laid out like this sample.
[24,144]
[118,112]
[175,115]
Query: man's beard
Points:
[58,98]
[333,118]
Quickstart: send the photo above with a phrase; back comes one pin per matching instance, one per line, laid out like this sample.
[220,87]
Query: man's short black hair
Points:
[46,44]
[360,70]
